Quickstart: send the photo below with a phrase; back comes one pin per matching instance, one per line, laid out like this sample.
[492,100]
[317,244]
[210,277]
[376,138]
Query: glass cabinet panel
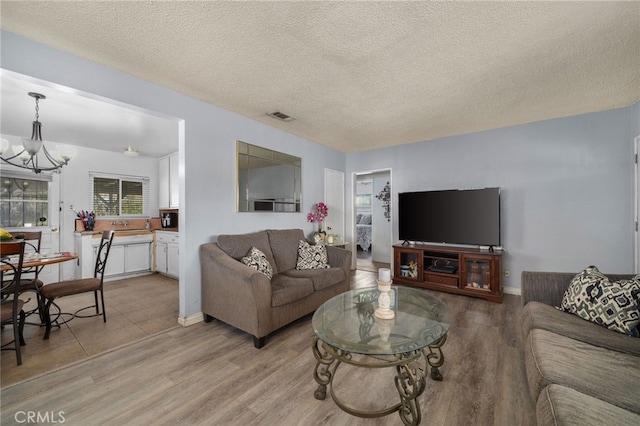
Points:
[409,264]
[478,274]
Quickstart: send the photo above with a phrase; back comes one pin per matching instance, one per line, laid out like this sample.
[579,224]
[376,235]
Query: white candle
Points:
[384,274]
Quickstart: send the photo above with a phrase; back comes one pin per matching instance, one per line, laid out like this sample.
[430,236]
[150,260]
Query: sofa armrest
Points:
[233,292]
[339,258]
[544,287]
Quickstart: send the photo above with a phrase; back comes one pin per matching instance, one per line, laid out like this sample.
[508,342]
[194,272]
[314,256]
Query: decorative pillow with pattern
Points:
[312,257]
[257,260]
[615,305]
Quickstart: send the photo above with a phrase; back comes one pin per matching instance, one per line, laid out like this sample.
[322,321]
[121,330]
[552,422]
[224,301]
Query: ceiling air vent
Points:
[280,116]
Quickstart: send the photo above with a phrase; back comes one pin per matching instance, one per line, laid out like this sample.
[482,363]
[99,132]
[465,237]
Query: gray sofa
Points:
[579,373]
[246,299]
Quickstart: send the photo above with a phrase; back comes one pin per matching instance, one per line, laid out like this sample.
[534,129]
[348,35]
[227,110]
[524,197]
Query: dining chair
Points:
[11,312]
[29,281]
[53,291]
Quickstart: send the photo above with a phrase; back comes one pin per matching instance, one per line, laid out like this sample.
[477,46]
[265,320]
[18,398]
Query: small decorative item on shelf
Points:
[413,269]
[88,219]
[318,214]
[384,310]
[405,270]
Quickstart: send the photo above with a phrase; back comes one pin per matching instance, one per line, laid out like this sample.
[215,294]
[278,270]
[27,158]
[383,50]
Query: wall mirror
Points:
[268,180]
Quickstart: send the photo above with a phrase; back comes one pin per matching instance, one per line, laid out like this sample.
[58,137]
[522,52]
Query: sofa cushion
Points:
[611,376]
[561,405]
[545,317]
[321,278]
[312,257]
[615,305]
[237,246]
[284,245]
[286,289]
[258,261]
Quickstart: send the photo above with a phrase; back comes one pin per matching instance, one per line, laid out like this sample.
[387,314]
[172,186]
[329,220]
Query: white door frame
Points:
[334,196]
[352,217]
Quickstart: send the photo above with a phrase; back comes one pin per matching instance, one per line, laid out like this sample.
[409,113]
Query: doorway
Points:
[372,220]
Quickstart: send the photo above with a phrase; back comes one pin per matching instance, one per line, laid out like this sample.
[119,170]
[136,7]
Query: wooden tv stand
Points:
[469,271]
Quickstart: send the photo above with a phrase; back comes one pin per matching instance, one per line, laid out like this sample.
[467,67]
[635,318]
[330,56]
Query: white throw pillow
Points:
[312,257]
[258,260]
[612,304]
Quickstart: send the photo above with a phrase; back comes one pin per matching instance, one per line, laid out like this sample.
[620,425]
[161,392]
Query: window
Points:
[115,195]
[23,201]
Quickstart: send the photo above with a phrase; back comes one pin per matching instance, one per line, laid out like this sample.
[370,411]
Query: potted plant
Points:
[318,214]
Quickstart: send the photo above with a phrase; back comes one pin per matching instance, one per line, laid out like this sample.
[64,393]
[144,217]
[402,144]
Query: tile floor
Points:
[136,307]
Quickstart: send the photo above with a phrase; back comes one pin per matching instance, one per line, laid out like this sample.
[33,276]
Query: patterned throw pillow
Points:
[312,257]
[615,305]
[257,260]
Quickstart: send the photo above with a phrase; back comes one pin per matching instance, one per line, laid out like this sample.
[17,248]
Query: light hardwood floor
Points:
[211,374]
[136,308]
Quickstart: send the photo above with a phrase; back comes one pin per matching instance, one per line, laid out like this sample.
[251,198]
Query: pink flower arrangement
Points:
[319,212]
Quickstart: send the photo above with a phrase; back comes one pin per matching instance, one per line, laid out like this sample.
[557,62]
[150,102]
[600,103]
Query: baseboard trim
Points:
[512,290]
[191,319]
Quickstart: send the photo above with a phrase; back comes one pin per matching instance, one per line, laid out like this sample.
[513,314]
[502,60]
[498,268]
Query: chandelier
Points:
[33,155]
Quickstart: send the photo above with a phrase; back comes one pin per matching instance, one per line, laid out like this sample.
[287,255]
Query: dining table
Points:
[33,262]
[39,260]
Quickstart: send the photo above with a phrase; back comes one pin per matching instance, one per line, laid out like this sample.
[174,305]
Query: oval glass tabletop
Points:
[348,322]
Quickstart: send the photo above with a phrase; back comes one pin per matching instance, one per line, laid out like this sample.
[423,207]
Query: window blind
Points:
[118,195]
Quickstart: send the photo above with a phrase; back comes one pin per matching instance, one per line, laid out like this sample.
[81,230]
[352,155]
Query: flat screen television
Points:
[465,217]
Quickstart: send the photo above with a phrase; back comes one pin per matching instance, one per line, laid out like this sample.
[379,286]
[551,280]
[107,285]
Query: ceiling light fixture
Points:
[28,153]
[131,152]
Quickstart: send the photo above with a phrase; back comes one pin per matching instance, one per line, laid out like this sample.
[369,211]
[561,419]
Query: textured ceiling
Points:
[362,75]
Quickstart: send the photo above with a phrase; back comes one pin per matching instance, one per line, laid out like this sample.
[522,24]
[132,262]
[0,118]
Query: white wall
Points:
[207,151]
[567,186]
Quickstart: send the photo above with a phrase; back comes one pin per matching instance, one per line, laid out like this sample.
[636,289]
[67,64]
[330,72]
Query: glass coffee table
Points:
[347,330]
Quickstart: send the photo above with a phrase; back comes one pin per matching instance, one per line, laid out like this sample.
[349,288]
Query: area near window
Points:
[118,195]
[24,201]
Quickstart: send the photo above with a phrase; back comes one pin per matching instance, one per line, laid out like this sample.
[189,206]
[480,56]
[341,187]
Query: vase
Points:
[319,236]
[88,224]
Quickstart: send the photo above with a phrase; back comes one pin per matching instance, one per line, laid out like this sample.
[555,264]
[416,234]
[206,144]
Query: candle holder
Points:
[384,310]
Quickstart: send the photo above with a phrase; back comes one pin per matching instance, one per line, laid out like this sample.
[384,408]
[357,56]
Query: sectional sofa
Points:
[579,372]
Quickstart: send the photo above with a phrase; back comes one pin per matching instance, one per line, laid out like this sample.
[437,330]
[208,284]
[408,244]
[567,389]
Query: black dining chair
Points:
[11,312]
[51,292]
[30,281]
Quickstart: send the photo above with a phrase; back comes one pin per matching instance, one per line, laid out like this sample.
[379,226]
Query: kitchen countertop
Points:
[118,232]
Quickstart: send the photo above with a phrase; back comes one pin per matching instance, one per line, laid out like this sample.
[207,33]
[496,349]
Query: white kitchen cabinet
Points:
[172,260]
[130,254]
[115,262]
[137,257]
[168,182]
[167,253]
